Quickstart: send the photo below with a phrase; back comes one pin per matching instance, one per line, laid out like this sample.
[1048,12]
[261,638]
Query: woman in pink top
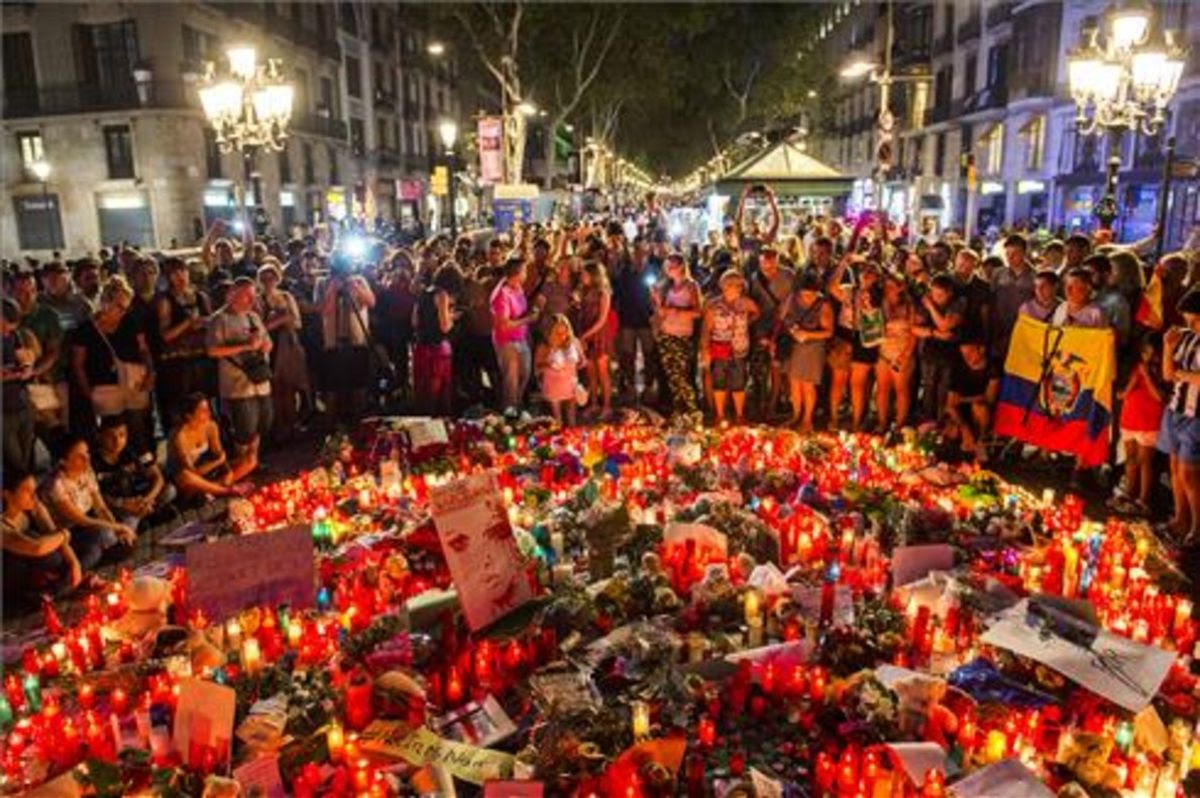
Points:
[511,317]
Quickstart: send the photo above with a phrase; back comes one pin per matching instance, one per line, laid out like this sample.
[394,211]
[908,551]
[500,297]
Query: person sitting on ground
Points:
[38,558]
[199,468]
[132,485]
[73,494]
[968,410]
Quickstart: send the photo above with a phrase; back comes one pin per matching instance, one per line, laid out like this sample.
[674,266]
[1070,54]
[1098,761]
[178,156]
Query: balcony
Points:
[999,14]
[385,100]
[943,44]
[319,125]
[323,42]
[1033,83]
[986,98]
[969,30]
[78,98]
[917,55]
[387,158]
[939,113]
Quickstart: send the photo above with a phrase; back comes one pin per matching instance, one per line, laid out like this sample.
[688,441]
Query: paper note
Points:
[808,601]
[259,778]
[1008,778]
[768,579]
[917,759]
[479,724]
[1126,673]
[910,563]
[424,432]
[204,722]
[764,785]
[705,536]
[423,747]
[480,549]
[266,569]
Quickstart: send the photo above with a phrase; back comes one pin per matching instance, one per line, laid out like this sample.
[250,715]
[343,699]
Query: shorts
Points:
[1179,436]
[1140,437]
[863,355]
[729,374]
[249,418]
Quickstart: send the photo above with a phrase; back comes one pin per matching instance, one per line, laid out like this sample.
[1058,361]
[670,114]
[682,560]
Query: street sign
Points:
[439,183]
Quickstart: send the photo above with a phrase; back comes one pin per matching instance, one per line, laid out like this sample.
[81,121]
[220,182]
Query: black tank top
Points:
[428,329]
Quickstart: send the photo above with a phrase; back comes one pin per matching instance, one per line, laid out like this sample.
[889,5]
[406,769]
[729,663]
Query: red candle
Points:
[707,732]
[358,701]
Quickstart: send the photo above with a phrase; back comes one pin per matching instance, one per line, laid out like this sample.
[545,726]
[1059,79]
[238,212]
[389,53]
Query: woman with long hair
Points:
[72,492]
[677,307]
[183,367]
[862,319]
[595,320]
[433,356]
[289,365]
[808,320]
[895,368]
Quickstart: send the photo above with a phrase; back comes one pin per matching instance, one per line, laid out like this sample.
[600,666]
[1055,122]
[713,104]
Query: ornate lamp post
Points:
[1121,79]
[249,108]
[448,132]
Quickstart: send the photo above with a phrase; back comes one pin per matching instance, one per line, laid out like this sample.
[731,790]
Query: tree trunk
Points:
[551,153]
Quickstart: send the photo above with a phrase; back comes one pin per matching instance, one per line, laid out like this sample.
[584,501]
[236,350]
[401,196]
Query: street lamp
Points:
[249,108]
[1123,81]
[448,131]
[436,49]
[41,170]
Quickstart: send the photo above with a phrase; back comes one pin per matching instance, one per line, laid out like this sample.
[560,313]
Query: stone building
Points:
[106,94]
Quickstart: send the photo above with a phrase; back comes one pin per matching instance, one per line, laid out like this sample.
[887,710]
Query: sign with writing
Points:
[480,550]
[490,143]
[259,778]
[203,731]
[424,432]
[422,747]
[910,563]
[439,182]
[271,568]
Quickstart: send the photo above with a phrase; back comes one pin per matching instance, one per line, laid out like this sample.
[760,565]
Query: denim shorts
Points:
[1179,436]
[250,418]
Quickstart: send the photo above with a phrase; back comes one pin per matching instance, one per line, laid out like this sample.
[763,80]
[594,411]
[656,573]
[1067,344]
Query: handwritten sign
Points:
[260,778]
[423,432]
[204,714]
[1121,670]
[422,747]
[480,550]
[228,575]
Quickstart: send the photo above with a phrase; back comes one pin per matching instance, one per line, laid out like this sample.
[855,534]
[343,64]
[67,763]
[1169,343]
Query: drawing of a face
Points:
[492,559]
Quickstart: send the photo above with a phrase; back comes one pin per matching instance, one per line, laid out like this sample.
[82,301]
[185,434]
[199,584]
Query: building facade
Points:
[997,97]
[106,94]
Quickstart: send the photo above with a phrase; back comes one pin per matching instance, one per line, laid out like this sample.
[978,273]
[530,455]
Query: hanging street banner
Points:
[491,149]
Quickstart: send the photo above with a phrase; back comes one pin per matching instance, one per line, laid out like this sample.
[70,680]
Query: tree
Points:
[494,32]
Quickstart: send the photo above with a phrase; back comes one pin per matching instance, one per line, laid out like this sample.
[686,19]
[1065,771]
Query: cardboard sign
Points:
[271,568]
[705,536]
[917,759]
[1008,778]
[808,601]
[260,778]
[910,563]
[764,785]
[480,724]
[422,747]
[203,729]
[480,550]
[423,432]
[1121,670]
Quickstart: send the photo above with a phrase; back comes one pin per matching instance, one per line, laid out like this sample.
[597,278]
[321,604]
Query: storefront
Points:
[336,204]
[1031,205]
[219,202]
[990,206]
[124,217]
[287,211]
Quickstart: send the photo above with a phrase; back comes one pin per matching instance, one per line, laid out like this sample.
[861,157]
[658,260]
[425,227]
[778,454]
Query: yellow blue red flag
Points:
[1057,389]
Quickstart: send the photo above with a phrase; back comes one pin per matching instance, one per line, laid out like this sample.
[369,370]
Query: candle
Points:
[640,711]
[358,701]
[996,746]
[251,656]
[294,632]
[33,692]
[335,740]
[233,633]
[707,731]
[753,607]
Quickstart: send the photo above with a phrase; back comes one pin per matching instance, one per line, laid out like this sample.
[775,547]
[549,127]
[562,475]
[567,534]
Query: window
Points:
[118,151]
[306,156]
[199,46]
[107,54]
[1034,132]
[969,74]
[301,88]
[357,136]
[29,144]
[353,76]
[285,165]
[993,143]
[327,103]
[334,178]
[949,19]
[939,155]
[20,74]
[381,133]
[348,21]
[39,225]
[997,68]
[212,154]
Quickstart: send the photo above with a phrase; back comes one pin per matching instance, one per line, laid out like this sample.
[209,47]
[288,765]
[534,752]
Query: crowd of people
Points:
[137,384]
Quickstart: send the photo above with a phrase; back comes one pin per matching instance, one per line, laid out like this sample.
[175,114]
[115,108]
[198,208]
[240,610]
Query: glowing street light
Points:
[526,108]
[857,69]
[436,49]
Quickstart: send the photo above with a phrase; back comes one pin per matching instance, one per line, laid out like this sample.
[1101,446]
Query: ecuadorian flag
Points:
[1057,389]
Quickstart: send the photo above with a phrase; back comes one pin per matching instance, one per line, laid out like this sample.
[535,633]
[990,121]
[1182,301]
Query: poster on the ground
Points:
[487,568]
[268,569]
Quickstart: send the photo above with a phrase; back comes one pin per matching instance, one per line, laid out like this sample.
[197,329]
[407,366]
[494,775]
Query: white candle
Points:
[641,719]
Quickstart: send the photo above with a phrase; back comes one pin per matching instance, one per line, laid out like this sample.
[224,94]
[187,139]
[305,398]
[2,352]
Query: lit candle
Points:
[641,719]
[996,746]
[753,607]
[707,731]
[294,631]
[335,740]
[233,633]
[251,656]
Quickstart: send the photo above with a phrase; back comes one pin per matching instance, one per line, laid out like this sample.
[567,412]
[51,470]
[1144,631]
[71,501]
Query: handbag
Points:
[254,365]
[108,400]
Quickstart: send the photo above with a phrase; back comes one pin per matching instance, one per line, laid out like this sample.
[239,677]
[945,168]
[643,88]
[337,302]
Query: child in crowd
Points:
[1141,415]
[559,358]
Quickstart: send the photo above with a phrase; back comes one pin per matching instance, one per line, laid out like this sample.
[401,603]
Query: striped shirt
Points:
[1185,396]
